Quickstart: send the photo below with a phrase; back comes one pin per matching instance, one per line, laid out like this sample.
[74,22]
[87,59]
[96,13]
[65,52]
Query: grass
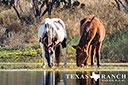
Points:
[114,49]
[20,47]
[38,67]
[113,20]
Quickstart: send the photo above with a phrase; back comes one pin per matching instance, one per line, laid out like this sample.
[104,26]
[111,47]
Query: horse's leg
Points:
[90,36]
[98,53]
[53,58]
[50,60]
[64,50]
[92,55]
[89,52]
[64,55]
[88,59]
[57,54]
[43,54]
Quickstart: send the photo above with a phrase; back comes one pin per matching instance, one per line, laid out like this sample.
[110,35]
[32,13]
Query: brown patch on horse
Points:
[59,23]
[92,33]
[56,27]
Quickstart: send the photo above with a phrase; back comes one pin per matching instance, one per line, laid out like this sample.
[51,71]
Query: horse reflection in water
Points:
[53,78]
[59,78]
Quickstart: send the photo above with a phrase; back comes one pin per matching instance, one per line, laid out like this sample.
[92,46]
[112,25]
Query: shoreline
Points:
[69,67]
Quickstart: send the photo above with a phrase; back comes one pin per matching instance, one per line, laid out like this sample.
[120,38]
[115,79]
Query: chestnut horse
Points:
[92,33]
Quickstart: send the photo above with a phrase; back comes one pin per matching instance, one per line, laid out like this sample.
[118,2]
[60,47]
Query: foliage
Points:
[114,49]
[18,41]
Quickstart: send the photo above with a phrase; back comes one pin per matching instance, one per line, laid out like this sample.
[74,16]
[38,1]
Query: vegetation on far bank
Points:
[114,49]
[20,43]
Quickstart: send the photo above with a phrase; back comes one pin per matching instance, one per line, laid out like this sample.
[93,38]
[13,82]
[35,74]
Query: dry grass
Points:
[19,33]
[38,67]
[113,20]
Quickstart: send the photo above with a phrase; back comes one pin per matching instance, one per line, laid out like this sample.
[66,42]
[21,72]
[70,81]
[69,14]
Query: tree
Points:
[36,6]
[124,4]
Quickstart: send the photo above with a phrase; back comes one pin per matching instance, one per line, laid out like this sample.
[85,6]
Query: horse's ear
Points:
[90,19]
[74,46]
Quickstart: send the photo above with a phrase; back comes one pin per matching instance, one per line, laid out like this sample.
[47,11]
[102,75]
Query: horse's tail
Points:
[57,54]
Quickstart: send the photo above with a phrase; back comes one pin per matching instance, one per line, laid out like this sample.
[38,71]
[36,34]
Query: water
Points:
[63,78]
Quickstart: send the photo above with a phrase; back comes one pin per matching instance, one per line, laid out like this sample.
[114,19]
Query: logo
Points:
[95,76]
[83,76]
[102,76]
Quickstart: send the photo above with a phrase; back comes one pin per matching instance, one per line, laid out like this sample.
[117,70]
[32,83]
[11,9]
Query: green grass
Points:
[114,49]
[32,53]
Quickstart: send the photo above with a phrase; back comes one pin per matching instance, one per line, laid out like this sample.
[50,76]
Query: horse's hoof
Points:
[98,65]
[87,66]
[92,65]
[50,66]
[65,66]
[57,64]
[79,65]
[43,66]
[53,66]
[82,65]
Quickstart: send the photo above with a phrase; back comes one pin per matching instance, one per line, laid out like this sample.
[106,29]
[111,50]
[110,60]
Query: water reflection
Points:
[68,78]
[56,78]
[53,78]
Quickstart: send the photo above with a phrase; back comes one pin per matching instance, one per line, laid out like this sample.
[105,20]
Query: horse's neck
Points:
[83,43]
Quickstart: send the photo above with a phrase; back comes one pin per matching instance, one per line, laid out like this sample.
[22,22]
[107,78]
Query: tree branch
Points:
[42,5]
[118,5]
[126,1]
[35,5]
[49,8]
[123,6]
[17,12]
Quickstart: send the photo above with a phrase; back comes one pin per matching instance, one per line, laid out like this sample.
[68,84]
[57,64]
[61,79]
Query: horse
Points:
[52,35]
[92,34]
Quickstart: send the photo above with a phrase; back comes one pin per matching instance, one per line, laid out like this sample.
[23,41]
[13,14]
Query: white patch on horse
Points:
[50,27]
[41,30]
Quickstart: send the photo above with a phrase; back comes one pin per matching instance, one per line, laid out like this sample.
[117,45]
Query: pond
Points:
[63,77]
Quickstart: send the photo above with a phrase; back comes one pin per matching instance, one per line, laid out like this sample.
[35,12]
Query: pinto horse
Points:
[92,33]
[52,35]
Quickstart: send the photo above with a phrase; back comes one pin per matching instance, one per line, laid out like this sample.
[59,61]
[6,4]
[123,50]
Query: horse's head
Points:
[81,55]
[48,55]
[48,42]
